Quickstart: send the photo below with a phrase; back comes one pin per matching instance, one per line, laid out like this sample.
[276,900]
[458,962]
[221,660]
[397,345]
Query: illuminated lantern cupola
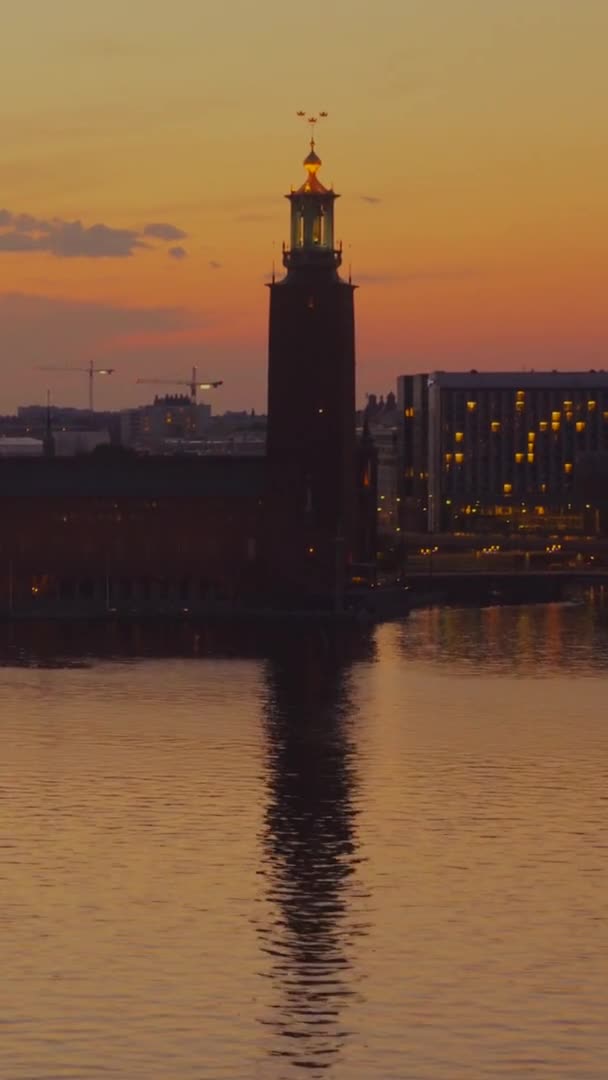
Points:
[312,221]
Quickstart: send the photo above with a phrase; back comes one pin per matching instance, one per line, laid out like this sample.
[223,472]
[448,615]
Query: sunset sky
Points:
[467,138]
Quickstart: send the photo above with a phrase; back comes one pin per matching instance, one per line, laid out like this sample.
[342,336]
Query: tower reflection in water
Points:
[310,845]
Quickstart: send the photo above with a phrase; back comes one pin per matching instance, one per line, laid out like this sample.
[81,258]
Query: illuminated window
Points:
[471,406]
[591,405]
[580,425]
[531,436]
[459,436]
[568,467]
[555,425]
[495,425]
[519,458]
[556,415]
[519,405]
[606,415]
[543,425]
[409,412]
[507,488]
[539,510]
[569,415]
[521,395]
[459,458]
[531,458]
[567,404]
[543,489]
[448,458]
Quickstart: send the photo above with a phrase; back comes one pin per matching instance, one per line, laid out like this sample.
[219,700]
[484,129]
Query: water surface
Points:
[236,855]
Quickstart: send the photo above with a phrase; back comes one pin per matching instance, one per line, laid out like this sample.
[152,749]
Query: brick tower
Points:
[311,385]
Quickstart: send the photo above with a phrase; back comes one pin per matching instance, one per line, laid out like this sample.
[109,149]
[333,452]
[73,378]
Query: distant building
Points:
[499,450]
[174,416]
[20,446]
[70,443]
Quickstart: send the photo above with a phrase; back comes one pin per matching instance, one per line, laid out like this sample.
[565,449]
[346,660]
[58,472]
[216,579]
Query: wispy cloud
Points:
[71,239]
[162,230]
[373,200]
[177,252]
[215,265]
[429,274]
[40,329]
[253,218]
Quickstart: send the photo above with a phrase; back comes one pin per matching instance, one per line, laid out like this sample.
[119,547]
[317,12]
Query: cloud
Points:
[40,330]
[430,274]
[373,200]
[215,265]
[178,253]
[253,218]
[440,273]
[16,241]
[72,239]
[25,223]
[163,231]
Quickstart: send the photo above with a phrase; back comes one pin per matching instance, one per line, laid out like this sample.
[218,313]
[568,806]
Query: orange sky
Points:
[467,140]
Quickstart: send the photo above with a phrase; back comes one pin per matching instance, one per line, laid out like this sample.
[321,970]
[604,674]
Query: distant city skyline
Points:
[145,153]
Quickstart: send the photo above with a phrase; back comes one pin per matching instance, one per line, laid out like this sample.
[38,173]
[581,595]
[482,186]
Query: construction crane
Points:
[193,384]
[91,372]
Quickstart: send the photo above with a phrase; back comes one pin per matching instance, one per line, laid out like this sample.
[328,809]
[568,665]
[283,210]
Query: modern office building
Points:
[499,449]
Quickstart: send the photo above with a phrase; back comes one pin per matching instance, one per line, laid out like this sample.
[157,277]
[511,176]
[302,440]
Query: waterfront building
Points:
[118,530]
[499,450]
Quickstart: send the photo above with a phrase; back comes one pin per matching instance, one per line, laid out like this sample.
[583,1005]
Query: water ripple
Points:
[235,856]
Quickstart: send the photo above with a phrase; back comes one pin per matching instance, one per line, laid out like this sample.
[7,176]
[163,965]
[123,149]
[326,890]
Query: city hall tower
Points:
[311,376]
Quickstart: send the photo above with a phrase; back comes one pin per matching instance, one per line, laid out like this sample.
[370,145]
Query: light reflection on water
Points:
[252,854]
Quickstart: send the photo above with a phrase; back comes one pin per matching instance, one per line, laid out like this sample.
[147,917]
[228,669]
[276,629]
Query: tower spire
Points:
[312,214]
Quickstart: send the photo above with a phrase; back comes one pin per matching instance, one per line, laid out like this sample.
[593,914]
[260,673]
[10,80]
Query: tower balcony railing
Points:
[317,256]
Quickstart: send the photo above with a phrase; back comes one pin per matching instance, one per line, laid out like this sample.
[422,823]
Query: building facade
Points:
[482,450]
